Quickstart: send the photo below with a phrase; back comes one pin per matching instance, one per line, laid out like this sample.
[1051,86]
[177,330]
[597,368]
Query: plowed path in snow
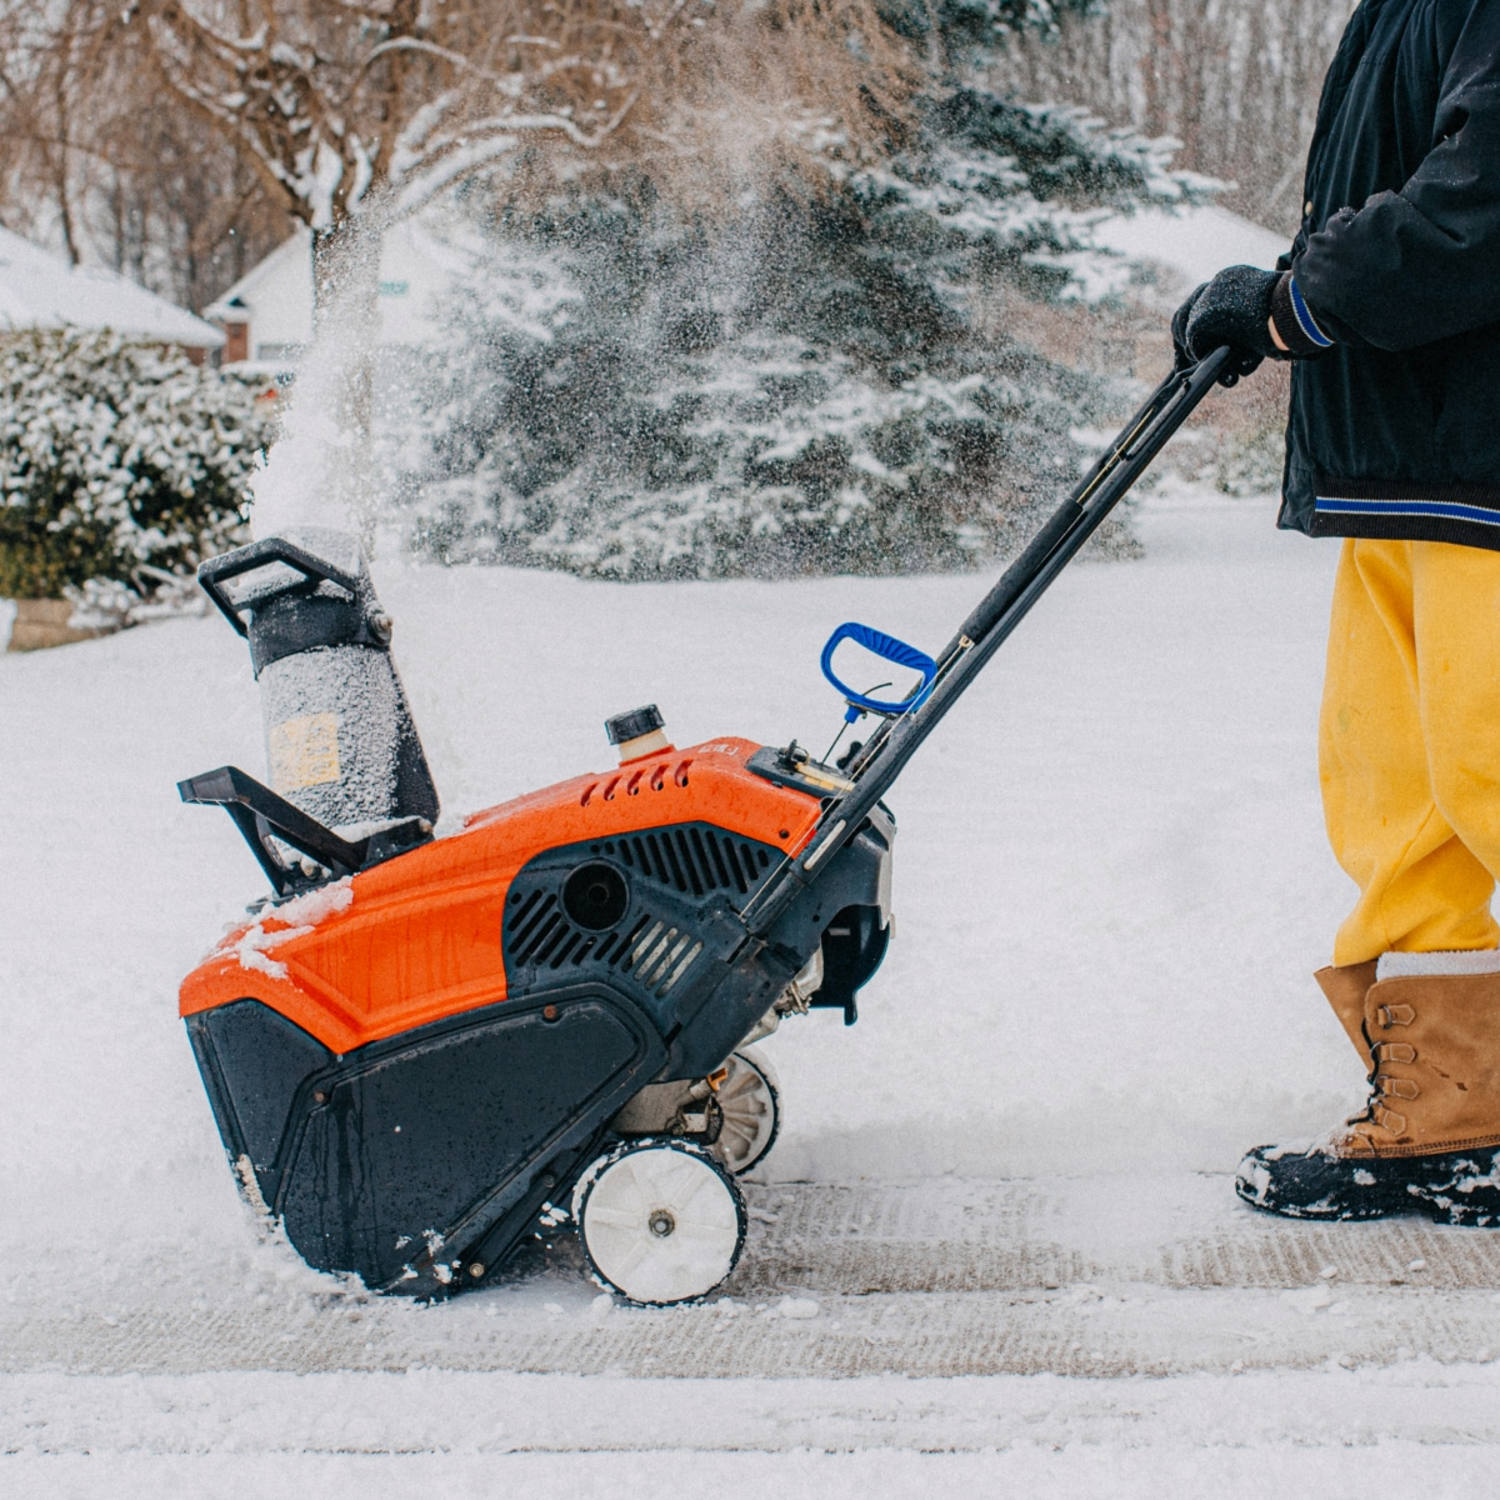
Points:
[1087,1276]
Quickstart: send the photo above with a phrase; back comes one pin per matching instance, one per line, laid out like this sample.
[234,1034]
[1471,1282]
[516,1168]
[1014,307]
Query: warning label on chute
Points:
[304,752]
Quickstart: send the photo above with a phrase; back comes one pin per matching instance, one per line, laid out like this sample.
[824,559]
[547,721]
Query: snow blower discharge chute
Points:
[418,1049]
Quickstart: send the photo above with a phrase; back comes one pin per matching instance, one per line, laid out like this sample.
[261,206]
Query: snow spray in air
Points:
[320,472]
[340,741]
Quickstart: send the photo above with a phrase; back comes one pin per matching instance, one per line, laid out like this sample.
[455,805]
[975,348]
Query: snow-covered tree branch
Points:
[341,108]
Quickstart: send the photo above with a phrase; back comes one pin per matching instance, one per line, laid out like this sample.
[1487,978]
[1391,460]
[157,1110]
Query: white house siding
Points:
[275,299]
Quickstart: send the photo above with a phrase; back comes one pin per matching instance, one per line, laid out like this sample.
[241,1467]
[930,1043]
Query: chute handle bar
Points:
[217,571]
[891,650]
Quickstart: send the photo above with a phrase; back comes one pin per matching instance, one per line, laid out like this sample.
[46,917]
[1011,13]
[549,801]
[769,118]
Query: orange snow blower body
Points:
[417,1044]
[419,939]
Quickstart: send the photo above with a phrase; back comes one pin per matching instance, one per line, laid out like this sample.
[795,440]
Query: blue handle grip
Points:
[892,650]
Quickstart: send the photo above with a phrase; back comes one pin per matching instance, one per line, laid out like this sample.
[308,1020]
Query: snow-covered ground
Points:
[997,1240]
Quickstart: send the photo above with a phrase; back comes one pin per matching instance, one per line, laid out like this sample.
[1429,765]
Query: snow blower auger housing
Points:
[418,1048]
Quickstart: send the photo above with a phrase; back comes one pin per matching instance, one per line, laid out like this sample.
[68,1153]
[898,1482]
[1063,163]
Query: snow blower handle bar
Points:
[991,622]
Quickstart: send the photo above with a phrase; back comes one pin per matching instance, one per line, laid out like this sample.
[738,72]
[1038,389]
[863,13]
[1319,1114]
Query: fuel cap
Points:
[631,726]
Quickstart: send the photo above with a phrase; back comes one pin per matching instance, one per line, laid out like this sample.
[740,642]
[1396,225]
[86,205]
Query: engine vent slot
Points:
[693,861]
[627,905]
[661,956]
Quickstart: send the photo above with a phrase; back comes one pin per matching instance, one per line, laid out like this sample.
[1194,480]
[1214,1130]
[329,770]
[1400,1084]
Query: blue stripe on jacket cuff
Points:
[1305,320]
[1446,509]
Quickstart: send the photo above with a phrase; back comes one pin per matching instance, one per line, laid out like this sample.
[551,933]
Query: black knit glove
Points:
[1236,308]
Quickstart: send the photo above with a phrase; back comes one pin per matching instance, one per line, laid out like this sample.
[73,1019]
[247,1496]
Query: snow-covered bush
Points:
[120,466]
[834,377]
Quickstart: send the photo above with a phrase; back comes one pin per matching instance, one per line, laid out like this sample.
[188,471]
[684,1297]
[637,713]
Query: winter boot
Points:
[1429,1139]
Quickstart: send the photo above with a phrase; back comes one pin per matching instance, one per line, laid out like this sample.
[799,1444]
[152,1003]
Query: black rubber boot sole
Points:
[1452,1187]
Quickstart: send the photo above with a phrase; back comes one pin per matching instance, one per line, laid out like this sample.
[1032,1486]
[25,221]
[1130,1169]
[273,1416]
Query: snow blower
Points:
[421,1050]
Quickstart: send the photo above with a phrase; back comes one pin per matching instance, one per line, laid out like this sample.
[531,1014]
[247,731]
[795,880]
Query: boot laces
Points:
[1384,1086]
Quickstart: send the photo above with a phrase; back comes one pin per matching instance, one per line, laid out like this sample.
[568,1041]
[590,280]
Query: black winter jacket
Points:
[1395,430]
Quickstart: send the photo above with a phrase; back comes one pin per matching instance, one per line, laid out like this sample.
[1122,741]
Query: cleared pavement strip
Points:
[1189,1425]
[1184,1232]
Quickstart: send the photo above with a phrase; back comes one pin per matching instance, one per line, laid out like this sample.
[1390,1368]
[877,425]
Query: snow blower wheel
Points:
[661,1221]
[749,1101]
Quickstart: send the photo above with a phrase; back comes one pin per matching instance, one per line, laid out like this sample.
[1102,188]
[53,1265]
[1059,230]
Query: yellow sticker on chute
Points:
[304,752]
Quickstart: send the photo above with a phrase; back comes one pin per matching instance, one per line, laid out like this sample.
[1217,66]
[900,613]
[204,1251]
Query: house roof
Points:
[290,263]
[41,290]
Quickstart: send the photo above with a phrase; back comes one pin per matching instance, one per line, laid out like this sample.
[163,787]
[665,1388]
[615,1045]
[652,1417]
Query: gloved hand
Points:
[1237,308]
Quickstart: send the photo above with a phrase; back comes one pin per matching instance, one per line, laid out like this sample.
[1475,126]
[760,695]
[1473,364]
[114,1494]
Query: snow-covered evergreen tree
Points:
[119,464]
[807,389]
[833,376]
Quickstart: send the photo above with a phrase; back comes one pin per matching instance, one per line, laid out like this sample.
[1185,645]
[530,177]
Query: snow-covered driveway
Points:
[1012,1175]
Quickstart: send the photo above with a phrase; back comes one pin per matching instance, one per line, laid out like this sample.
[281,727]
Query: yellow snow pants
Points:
[1409,745]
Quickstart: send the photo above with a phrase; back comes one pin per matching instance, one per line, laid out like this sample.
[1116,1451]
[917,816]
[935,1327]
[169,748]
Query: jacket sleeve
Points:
[1423,264]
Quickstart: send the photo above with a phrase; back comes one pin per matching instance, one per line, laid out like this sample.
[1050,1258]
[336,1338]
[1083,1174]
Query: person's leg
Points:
[1394,713]
[1410,764]
[1456,616]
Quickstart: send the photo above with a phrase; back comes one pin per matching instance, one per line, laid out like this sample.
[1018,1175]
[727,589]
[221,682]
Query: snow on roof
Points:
[41,290]
[1193,242]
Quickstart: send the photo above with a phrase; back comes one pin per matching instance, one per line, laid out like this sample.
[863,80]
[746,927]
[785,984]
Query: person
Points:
[1389,304]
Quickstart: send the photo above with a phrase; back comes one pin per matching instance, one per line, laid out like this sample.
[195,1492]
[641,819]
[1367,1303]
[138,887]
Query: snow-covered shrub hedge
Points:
[119,465]
[835,378]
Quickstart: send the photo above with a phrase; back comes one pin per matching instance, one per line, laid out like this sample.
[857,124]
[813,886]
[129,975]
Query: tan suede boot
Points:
[1436,1048]
[1428,1137]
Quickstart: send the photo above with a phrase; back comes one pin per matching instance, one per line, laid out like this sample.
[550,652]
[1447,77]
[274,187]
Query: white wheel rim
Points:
[661,1225]
[749,1104]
